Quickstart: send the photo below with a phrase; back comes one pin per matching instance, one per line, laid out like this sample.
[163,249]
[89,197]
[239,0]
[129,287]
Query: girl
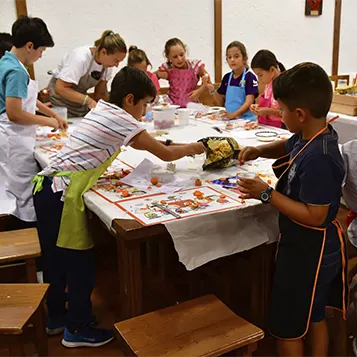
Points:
[84,68]
[63,232]
[267,68]
[18,121]
[138,59]
[182,74]
[239,88]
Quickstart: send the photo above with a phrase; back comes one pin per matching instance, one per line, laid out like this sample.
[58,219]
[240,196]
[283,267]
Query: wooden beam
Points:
[218,41]
[336,37]
[21,10]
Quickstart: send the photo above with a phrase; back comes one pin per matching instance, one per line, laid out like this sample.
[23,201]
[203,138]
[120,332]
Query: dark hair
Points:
[266,59]
[173,42]
[131,81]
[111,42]
[31,29]
[240,46]
[5,43]
[137,56]
[305,86]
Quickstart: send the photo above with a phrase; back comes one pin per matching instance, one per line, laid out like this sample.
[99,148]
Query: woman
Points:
[84,68]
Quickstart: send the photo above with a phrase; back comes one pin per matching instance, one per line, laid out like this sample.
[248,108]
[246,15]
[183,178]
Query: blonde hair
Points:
[111,42]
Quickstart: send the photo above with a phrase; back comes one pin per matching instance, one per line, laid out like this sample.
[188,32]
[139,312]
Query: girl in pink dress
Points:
[182,74]
[138,59]
[267,68]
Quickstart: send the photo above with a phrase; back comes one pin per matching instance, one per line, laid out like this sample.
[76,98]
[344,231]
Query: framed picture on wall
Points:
[313,7]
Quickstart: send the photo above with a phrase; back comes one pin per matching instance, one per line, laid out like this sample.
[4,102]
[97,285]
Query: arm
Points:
[65,90]
[249,100]
[44,109]
[144,141]
[218,98]
[17,115]
[255,109]
[161,74]
[203,74]
[100,91]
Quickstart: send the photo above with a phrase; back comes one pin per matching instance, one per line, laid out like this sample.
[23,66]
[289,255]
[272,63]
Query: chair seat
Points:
[18,302]
[19,245]
[199,327]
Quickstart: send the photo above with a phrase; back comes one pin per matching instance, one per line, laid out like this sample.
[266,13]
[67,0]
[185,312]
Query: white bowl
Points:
[266,136]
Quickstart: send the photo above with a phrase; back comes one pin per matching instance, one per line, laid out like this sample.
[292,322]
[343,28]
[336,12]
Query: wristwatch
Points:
[265,196]
[168,142]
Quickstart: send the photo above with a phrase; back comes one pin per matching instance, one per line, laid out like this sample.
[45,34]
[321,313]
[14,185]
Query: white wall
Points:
[279,25]
[282,27]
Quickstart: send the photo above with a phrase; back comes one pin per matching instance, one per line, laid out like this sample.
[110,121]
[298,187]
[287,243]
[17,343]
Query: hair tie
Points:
[111,33]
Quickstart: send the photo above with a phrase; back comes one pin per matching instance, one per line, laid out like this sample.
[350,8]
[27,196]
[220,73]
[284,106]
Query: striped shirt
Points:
[99,135]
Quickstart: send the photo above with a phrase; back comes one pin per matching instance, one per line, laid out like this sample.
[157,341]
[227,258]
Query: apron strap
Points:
[333,119]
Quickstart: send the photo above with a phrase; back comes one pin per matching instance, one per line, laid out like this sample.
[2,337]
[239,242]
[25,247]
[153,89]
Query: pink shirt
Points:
[267,101]
[182,81]
[154,79]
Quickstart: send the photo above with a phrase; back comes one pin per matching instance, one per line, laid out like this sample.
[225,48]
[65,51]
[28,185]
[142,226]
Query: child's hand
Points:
[194,95]
[254,108]
[91,103]
[249,153]
[62,122]
[229,116]
[251,188]
[53,123]
[196,149]
[206,79]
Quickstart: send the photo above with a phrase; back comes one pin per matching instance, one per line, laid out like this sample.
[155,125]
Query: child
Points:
[137,58]
[267,68]
[239,88]
[182,74]
[67,247]
[18,101]
[5,43]
[84,68]
[310,264]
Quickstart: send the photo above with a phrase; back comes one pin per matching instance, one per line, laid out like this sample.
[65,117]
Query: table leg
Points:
[16,346]
[40,331]
[31,271]
[130,276]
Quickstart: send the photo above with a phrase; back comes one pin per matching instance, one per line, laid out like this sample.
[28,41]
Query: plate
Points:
[266,136]
[216,109]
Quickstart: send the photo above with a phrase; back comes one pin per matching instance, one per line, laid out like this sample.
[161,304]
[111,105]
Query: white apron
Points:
[17,163]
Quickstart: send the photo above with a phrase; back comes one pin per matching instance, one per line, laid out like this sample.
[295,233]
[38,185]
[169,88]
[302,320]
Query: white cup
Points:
[184,116]
[61,111]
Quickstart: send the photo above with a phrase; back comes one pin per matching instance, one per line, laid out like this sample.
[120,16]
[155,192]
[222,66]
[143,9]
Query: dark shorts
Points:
[331,267]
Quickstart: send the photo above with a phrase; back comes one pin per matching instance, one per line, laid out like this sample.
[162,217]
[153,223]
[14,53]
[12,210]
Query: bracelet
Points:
[168,142]
[85,99]
[213,92]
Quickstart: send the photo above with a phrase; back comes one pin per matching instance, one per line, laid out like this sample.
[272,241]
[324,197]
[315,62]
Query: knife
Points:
[217,129]
[158,205]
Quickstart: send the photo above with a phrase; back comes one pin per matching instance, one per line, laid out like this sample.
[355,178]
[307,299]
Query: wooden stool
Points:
[21,245]
[22,312]
[197,328]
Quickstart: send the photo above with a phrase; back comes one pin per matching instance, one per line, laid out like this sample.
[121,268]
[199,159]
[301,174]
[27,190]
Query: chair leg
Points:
[39,320]
[16,346]
[248,350]
[31,271]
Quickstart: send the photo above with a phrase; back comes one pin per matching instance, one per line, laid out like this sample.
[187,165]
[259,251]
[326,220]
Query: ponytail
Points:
[111,42]
[136,56]
[266,59]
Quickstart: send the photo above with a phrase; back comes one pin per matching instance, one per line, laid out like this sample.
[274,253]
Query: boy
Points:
[18,101]
[309,266]
[66,245]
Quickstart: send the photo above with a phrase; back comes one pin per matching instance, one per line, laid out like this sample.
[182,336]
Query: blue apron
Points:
[235,97]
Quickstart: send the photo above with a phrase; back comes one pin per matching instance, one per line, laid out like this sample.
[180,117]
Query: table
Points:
[346,126]
[130,234]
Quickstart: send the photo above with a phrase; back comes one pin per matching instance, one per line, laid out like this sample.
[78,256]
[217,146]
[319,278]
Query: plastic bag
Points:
[221,152]
[163,99]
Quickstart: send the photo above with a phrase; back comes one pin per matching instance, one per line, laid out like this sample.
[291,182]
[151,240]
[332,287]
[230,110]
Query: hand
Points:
[206,79]
[248,153]
[91,103]
[196,149]
[229,116]
[194,95]
[53,123]
[254,108]
[251,188]
[62,122]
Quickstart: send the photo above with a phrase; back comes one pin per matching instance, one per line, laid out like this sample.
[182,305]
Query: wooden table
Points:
[254,269]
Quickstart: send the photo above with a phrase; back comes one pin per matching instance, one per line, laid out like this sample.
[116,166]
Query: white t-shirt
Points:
[75,64]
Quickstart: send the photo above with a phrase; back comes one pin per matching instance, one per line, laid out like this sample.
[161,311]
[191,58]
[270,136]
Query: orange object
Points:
[163,202]
[158,185]
[125,193]
[198,193]
[269,182]
[149,188]
[222,196]
[154,181]
[198,182]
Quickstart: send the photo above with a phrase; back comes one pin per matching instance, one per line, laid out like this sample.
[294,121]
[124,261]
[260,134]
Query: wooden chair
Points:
[199,327]
[335,79]
[22,317]
[20,245]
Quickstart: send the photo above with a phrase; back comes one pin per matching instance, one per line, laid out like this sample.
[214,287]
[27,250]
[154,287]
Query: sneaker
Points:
[55,326]
[87,337]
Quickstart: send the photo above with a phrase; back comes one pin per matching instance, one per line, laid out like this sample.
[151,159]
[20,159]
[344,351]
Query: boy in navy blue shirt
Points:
[310,265]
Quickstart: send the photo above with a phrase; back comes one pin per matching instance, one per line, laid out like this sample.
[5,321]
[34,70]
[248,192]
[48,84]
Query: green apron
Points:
[74,233]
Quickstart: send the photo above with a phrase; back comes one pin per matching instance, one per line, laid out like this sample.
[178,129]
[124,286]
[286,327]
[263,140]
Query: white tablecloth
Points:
[203,238]
[345,125]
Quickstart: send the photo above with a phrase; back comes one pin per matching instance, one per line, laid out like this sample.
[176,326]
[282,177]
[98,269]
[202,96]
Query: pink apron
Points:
[182,83]
[265,101]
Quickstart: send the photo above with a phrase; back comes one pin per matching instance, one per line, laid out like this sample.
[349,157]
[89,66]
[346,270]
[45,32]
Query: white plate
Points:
[216,109]
[266,136]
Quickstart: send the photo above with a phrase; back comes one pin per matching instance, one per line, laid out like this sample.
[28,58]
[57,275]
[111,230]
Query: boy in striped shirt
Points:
[96,140]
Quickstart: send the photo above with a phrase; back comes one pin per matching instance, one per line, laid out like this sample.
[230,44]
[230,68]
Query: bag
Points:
[221,152]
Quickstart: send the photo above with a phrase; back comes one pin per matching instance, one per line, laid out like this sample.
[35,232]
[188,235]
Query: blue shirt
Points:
[14,79]
[316,175]
[251,83]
